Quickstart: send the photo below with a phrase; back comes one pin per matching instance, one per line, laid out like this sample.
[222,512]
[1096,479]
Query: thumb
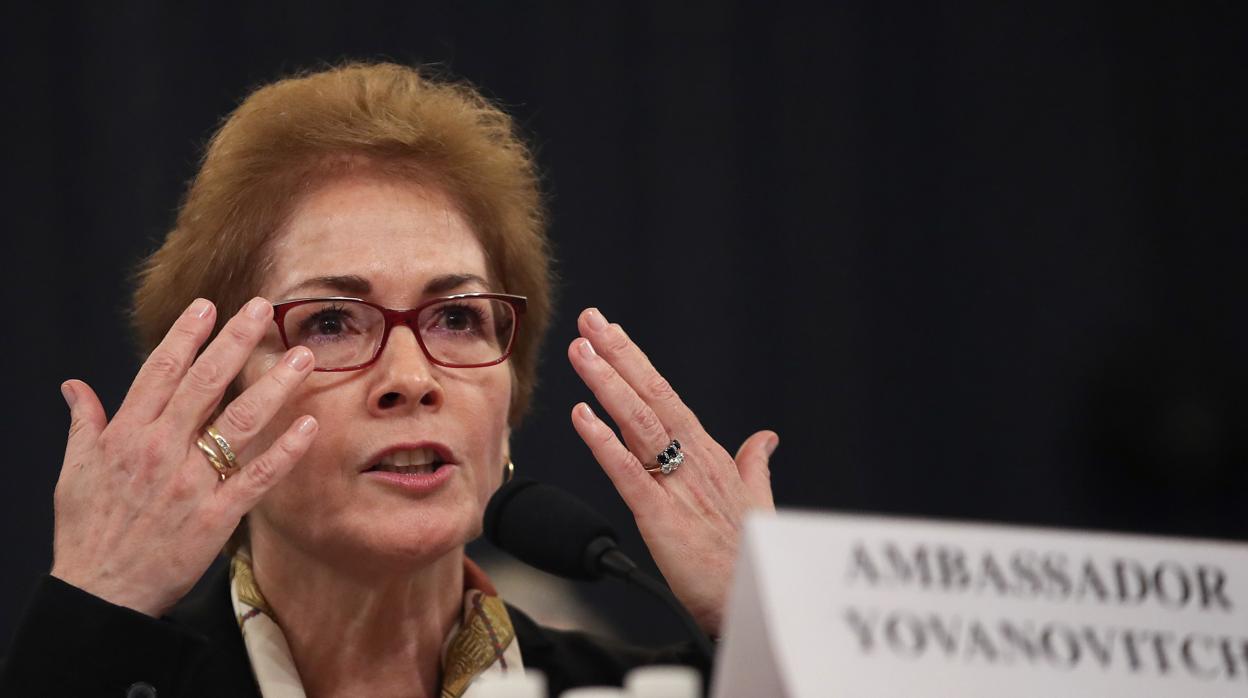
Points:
[753,462]
[86,416]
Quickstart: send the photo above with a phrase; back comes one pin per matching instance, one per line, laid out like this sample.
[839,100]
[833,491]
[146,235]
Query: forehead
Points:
[395,234]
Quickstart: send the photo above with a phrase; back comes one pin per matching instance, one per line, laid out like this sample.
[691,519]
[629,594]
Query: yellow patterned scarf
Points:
[483,642]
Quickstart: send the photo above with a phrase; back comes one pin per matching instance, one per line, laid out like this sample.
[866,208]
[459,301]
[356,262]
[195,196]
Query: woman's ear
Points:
[507,468]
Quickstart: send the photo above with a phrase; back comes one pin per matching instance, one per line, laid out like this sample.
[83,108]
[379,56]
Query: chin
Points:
[420,538]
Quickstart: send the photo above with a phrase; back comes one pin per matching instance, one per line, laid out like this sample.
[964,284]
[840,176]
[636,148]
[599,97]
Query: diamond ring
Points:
[668,460]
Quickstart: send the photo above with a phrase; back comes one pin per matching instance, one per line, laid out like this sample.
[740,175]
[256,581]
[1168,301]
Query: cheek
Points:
[498,434]
[485,401]
[316,483]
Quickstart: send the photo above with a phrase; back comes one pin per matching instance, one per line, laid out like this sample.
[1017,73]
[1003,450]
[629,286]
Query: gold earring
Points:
[509,471]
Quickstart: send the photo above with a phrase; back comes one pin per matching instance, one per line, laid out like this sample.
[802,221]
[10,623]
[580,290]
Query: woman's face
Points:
[395,244]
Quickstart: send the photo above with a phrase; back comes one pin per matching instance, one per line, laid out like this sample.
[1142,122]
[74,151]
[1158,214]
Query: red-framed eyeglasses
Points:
[467,330]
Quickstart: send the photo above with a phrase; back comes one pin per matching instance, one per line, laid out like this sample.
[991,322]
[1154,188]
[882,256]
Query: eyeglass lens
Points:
[458,332]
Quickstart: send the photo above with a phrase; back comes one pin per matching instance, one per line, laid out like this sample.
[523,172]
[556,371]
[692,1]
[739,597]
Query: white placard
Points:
[827,605]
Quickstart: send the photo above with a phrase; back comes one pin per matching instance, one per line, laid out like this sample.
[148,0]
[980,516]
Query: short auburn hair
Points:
[288,136]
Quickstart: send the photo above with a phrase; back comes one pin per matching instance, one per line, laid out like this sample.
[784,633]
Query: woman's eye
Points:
[459,319]
[329,325]
[456,319]
[326,323]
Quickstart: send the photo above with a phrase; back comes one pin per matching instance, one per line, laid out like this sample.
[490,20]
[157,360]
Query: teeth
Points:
[410,462]
[406,469]
[407,459]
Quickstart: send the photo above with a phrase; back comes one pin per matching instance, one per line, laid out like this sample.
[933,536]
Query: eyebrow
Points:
[353,284]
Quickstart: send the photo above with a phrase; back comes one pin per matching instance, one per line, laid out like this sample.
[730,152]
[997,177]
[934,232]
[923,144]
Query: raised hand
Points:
[140,513]
[691,518]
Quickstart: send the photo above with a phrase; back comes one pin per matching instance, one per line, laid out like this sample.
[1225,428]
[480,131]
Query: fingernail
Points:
[67,391]
[587,349]
[587,412]
[307,425]
[257,308]
[200,308]
[595,319]
[771,445]
[298,357]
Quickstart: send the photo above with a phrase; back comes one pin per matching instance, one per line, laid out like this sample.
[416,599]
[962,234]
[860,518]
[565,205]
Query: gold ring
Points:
[226,451]
[215,462]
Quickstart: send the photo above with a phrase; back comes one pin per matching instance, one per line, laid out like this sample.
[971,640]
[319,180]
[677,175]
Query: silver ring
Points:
[668,460]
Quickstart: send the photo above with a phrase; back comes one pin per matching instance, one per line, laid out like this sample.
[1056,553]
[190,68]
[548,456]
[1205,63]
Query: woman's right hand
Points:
[140,512]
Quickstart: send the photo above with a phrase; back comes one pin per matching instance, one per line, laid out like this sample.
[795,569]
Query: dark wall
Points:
[979,262]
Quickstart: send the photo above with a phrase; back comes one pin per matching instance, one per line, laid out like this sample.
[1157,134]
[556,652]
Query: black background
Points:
[970,260]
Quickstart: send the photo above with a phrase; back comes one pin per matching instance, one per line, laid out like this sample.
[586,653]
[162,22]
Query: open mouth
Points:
[415,461]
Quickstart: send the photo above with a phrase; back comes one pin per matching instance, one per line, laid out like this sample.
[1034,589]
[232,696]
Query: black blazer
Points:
[73,644]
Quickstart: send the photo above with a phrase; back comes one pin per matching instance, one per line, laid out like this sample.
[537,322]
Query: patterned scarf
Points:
[482,642]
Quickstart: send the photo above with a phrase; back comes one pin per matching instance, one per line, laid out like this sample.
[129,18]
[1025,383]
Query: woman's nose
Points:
[405,379]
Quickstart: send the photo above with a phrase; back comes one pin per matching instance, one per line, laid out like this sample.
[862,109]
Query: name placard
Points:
[828,605]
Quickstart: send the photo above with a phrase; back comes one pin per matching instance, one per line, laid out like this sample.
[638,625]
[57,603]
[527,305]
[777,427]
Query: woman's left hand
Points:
[691,519]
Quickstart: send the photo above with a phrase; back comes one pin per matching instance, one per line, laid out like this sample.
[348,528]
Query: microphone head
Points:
[547,528]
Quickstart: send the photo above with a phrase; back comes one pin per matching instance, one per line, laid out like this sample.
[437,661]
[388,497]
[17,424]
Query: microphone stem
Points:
[620,565]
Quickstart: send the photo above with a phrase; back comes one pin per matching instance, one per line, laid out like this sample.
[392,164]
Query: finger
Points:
[248,413]
[167,364]
[644,433]
[754,464]
[86,417]
[206,380]
[614,345]
[628,475]
[244,489]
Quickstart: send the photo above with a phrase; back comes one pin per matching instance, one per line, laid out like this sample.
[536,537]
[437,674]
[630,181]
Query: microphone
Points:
[550,529]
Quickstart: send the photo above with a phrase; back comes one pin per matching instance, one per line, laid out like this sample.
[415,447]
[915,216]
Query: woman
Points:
[342,451]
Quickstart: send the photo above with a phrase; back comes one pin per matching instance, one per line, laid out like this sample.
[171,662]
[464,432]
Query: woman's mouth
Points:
[418,470]
[412,461]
